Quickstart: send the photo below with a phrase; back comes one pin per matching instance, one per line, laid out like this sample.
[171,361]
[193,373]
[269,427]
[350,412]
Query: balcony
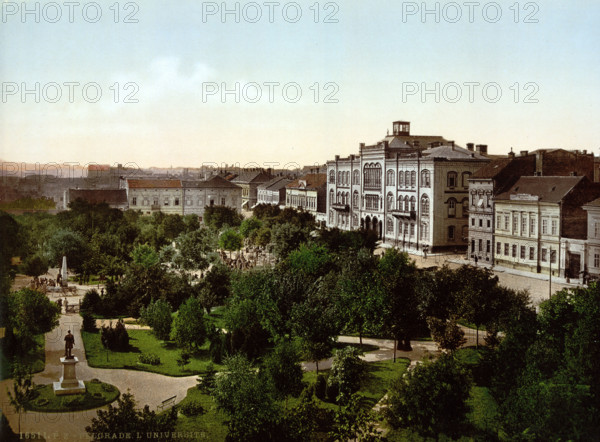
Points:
[405,214]
[340,207]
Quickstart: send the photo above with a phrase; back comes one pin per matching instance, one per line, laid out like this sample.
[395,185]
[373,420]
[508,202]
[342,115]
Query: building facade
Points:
[249,182]
[216,191]
[540,224]
[273,192]
[593,239]
[308,193]
[411,190]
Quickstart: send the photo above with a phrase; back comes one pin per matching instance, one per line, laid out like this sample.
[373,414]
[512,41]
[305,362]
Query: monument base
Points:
[68,382]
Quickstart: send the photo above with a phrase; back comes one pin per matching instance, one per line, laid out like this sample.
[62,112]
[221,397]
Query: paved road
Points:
[148,388]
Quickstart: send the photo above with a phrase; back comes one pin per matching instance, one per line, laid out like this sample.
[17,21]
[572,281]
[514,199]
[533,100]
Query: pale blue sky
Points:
[369,54]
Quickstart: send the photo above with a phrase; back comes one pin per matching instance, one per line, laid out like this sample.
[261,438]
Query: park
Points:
[271,328]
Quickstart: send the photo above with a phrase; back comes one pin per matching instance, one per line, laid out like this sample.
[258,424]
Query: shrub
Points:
[91,302]
[321,387]
[149,358]
[192,408]
[96,381]
[89,322]
[207,382]
[115,339]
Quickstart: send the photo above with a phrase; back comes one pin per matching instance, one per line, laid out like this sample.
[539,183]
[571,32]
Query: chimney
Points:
[361,146]
[585,151]
[451,144]
[524,153]
[471,146]
[337,157]
[482,149]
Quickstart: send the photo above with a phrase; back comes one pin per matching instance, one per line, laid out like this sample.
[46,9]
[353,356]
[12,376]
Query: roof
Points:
[113,197]
[312,180]
[594,203]
[453,153]
[493,168]
[212,183]
[98,167]
[550,189]
[154,184]
[275,184]
[247,177]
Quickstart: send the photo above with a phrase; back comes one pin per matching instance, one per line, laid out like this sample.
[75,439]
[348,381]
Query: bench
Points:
[166,403]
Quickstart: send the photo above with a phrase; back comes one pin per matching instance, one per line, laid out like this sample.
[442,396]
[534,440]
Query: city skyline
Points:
[441,66]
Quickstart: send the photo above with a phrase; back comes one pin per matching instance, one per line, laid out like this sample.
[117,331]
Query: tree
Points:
[189,329]
[30,313]
[35,265]
[217,217]
[286,238]
[73,245]
[158,315]
[248,400]
[22,390]
[193,249]
[230,240]
[352,422]
[124,418]
[402,316]
[115,338]
[447,334]
[145,256]
[215,287]
[311,259]
[282,366]
[431,398]
[265,211]
[347,372]
[249,226]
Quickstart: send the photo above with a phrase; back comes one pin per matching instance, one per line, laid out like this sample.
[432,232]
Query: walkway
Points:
[148,388]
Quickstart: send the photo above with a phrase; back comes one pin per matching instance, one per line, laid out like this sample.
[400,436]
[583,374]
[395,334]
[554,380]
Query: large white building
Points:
[411,190]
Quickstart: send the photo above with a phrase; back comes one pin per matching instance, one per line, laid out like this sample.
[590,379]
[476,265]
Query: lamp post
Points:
[552,255]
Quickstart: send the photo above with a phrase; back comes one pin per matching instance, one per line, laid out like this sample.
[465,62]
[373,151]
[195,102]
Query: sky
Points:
[279,84]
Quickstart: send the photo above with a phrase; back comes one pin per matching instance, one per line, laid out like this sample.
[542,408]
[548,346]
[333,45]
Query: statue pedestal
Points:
[68,382]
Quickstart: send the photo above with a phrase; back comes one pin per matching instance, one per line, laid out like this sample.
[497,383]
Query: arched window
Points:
[389,179]
[390,225]
[331,216]
[406,204]
[372,176]
[355,220]
[413,203]
[390,201]
[338,198]
[425,205]
[452,177]
[339,178]
[400,179]
[332,177]
[347,178]
[331,197]
[451,208]
[356,177]
[425,178]
[413,179]
[355,199]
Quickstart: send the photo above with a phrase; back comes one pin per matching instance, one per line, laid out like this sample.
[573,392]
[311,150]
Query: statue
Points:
[69,343]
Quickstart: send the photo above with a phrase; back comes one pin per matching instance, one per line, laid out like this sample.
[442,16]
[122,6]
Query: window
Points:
[505,222]
[554,226]
[339,179]
[425,178]
[473,221]
[406,206]
[390,226]
[532,225]
[544,227]
[134,201]
[372,176]
[372,202]
[489,223]
[480,244]
[412,230]
[596,260]
[400,178]
[505,249]
[544,255]
[332,177]
[451,208]
[156,201]
[596,229]
[176,201]
[413,179]
[451,231]
[424,231]
[522,252]
[425,205]
[472,246]
[356,177]
[166,201]
[515,224]
[552,256]
[480,223]
[523,225]
[498,248]
[389,180]
[331,197]
[390,201]
[452,177]
[488,246]
[498,222]
[413,204]
[531,253]
[222,201]
[355,199]
[514,250]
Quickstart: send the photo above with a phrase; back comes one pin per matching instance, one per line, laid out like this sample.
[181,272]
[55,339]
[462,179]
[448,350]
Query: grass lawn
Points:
[212,423]
[143,341]
[34,359]
[97,394]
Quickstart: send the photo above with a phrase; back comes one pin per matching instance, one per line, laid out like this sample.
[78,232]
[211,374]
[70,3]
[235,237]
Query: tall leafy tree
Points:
[189,328]
[158,316]
[230,240]
[73,245]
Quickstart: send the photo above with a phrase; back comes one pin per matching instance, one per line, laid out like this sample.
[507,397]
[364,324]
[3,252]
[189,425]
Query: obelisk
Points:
[63,274]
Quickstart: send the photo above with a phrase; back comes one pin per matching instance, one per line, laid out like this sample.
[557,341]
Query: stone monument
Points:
[68,382]
[64,278]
